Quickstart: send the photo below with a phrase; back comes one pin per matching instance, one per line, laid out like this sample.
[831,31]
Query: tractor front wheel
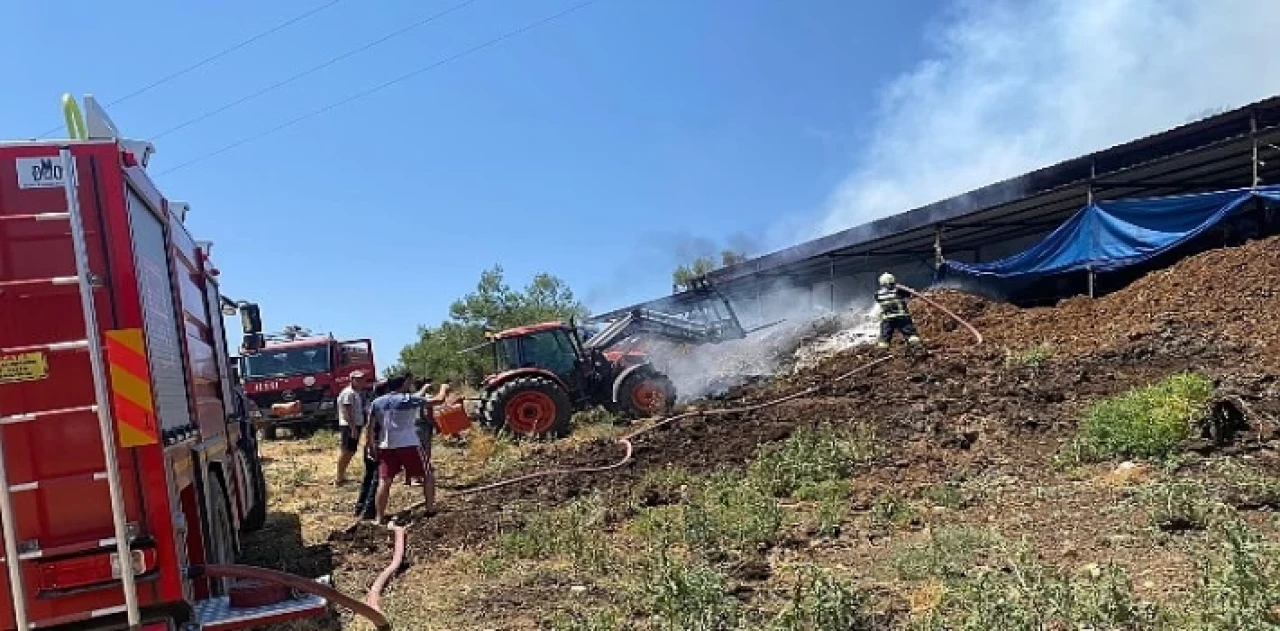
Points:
[645,393]
[529,406]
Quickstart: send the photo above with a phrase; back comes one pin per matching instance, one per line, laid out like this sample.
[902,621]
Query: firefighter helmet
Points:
[888,279]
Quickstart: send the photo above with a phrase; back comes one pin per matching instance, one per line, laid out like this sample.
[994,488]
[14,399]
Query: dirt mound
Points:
[1226,296]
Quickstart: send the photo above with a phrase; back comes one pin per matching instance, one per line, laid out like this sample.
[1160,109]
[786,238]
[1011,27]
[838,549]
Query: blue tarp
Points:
[1111,235]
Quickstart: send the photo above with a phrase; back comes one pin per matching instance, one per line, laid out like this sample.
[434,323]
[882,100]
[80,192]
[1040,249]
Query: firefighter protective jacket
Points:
[893,303]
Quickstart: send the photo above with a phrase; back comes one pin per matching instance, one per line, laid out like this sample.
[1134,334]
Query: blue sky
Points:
[601,147]
[613,144]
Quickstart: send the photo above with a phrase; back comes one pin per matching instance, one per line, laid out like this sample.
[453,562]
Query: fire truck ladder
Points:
[93,344]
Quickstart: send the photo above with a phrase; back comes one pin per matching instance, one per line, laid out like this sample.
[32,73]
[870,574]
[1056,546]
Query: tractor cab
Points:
[552,346]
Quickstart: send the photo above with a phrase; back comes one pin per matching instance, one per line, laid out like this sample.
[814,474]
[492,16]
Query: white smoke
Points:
[790,332]
[1016,85]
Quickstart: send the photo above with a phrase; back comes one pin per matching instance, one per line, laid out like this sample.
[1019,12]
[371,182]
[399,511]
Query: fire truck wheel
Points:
[645,393]
[222,540]
[256,518]
[529,406]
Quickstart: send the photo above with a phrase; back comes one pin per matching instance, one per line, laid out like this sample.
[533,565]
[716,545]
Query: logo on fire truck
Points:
[40,172]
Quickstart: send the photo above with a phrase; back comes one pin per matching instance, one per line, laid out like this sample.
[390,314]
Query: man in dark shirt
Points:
[369,485]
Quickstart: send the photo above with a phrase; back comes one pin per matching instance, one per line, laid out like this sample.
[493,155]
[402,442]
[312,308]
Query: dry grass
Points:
[793,542]
[306,509]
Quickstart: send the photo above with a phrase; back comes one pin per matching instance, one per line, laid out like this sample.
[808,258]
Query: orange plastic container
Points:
[451,419]
[286,410]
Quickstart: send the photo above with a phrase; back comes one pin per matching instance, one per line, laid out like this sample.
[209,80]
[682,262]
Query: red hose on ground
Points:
[370,613]
[374,599]
[629,448]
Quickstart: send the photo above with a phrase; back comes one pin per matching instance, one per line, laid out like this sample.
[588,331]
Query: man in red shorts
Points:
[393,429]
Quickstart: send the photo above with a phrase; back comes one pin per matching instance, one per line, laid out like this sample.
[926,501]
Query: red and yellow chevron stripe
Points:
[131,388]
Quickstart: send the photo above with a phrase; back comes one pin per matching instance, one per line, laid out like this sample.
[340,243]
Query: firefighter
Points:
[894,315]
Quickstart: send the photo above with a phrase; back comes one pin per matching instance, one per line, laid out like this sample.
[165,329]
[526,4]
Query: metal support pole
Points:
[1093,175]
[1253,133]
[832,279]
[937,246]
[105,426]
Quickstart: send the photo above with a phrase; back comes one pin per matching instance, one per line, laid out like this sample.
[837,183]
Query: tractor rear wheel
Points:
[646,393]
[529,406]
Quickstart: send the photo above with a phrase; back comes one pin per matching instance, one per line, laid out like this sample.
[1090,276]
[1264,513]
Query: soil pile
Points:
[1225,297]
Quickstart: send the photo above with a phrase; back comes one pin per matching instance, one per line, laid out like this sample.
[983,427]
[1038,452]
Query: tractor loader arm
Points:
[709,319]
[666,326]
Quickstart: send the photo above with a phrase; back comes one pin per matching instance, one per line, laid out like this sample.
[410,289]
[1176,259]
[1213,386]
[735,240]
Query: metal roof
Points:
[1210,154]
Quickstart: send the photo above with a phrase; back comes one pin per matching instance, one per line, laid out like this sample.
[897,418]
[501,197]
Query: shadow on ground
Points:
[280,546]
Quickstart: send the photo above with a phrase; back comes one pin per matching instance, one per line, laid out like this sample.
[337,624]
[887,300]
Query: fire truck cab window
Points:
[294,361]
[355,353]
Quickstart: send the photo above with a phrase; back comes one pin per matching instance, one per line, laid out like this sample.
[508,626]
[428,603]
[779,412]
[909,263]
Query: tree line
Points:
[441,351]
[493,306]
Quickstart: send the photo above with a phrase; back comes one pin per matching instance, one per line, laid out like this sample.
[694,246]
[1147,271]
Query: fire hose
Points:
[298,583]
[398,532]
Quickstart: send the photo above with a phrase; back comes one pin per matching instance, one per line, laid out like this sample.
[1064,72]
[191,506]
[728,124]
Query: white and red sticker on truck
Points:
[40,172]
[21,367]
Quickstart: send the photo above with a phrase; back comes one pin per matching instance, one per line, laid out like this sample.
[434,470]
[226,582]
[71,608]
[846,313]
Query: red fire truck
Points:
[295,379]
[122,435]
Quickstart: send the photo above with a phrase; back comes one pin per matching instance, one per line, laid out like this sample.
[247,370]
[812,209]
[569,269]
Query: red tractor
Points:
[545,372]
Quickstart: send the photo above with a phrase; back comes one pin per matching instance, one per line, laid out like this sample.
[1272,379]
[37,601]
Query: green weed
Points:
[729,514]
[950,552]
[299,474]
[688,597]
[809,457]
[326,440]
[1246,488]
[662,526]
[831,516]
[832,498]
[1147,422]
[573,531]
[593,416]
[823,491]
[821,602]
[1025,596]
[947,495]
[661,487]
[892,510]
[1032,357]
[723,515]
[588,621]
[1181,505]
[1239,586]
[491,564]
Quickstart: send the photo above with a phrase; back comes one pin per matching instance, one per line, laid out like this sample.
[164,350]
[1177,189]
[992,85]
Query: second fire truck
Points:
[295,378]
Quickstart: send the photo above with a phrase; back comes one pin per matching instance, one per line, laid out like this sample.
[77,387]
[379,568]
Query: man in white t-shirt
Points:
[350,422]
[394,420]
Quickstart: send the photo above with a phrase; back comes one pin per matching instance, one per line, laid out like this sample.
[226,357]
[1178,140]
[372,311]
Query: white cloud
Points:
[1015,85]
